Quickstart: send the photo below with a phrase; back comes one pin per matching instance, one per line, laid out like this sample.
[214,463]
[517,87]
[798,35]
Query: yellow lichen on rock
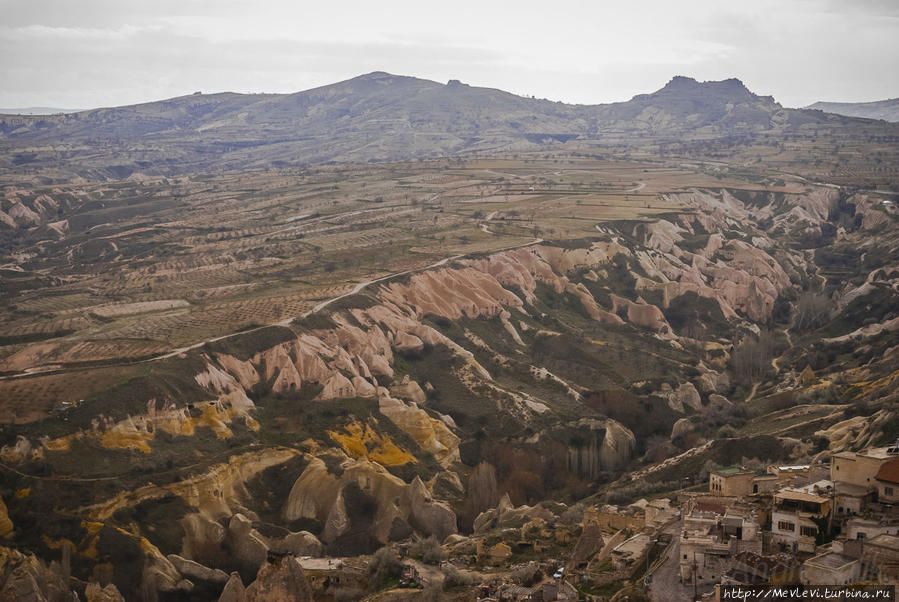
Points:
[57,544]
[60,444]
[807,376]
[87,547]
[361,441]
[888,381]
[145,545]
[122,438]
[214,419]
[89,543]
[430,434]
[6,526]
[139,431]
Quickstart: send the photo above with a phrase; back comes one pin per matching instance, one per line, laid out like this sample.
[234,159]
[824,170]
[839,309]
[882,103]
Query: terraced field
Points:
[150,265]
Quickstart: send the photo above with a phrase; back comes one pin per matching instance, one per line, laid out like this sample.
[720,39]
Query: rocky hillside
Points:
[887,110]
[380,117]
[748,324]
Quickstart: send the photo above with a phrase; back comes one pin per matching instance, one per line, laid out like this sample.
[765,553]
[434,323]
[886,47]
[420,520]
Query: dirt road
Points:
[356,289]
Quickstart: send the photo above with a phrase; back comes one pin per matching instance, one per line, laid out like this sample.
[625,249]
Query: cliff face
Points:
[22,209]
[617,446]
[280,580]
[321,495]
[228,403]
[24,577]
[215,493]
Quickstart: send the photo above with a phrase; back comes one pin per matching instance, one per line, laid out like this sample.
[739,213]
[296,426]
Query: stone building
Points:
[859,468]
[796,520]
[732,481]
[887,480]
[830,568]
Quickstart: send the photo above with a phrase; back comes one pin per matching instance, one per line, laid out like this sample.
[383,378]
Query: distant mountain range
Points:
[36,111]
[888,110]
[379,117]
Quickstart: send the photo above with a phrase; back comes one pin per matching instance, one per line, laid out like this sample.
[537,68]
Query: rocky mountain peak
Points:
[681,85]
[681,82]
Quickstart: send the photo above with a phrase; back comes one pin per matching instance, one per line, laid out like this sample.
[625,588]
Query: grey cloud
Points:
[158,63]
[96,52]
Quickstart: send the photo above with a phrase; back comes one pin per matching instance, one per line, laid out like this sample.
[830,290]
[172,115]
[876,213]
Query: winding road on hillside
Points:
[356,290]
[317,308]
[751,396]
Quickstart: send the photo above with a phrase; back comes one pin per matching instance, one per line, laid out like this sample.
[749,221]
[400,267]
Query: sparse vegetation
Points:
[169,312]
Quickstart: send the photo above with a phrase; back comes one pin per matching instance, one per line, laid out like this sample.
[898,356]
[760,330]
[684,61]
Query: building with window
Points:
[888,482]
[732,481]
[799,519]
[710,538]
[765,483]
[859,468]
[851,499]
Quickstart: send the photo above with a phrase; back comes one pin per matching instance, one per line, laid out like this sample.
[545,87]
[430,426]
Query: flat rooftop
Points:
[884,541]
[862,521]
[878,453]
[709,508]
[730,471]
[320,564]
[850,489]
[633,546]
[800,496]
[831,560]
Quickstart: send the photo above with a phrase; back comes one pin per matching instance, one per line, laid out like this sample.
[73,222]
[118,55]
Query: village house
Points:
[880,557]
[750,568]
[709,539]
[765,483]
[830,568]
[790,475]
[887,479]
[657,512]
[881,549]
[732,481]
[495,554]
[866,528]
[632,550]
[851,499]
[798,518]
[859,468]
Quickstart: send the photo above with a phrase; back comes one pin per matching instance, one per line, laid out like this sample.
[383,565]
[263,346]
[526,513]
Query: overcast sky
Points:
[92,53]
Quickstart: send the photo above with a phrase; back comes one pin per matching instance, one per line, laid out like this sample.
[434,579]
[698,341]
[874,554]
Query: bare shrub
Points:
[427,550]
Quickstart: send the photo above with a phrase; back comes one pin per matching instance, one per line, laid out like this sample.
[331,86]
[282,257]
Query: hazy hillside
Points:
[36,111]
[888,110]
[378,117]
